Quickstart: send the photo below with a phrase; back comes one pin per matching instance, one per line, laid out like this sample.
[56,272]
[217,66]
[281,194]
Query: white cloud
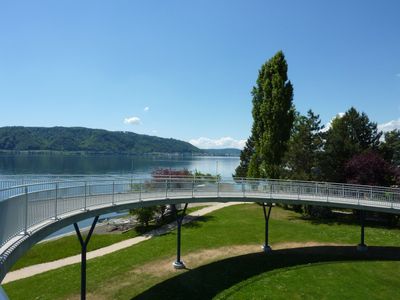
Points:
[329,124]
[146,108]
[224,142]
[132,120]
[154,131]
[389,126]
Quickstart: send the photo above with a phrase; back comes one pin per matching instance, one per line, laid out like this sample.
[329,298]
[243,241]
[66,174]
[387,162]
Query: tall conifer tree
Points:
[273,116]
[304,148]
[245,156]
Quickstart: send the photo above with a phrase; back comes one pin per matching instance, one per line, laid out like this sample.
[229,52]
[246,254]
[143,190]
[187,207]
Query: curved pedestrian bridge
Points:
[30,212]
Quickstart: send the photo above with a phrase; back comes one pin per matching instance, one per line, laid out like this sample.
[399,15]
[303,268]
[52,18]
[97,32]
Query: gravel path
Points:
[44,267]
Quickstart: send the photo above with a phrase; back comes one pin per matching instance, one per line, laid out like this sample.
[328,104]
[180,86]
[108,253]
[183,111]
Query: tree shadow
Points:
[207,281]
[166,227]
[195,222]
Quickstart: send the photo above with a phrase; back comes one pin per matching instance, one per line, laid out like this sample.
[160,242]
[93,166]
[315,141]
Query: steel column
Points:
[362,247]
[178,264]
[327,194]
[298,192]
[85,204]
[266,246]
[84,244]
[26,211]
[140,191]
[193,187]
[113,193]
[56,203]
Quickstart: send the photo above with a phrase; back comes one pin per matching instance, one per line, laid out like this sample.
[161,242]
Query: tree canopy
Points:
[349,135]
[369,168]
[245,156]
[273,116]
[390,148]
[305,146]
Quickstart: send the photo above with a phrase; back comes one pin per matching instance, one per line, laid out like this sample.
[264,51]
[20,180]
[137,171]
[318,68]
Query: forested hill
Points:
[88,140]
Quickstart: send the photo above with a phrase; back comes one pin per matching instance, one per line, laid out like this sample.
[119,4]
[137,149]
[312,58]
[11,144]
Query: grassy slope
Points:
[237,225]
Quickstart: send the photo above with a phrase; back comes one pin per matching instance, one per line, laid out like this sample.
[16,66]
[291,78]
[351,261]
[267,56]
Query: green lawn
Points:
[340,280]
[324,272]
[69,245]
[114,277]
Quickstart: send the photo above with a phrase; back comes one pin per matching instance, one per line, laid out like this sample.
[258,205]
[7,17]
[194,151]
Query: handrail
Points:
[61,178]
[209,177]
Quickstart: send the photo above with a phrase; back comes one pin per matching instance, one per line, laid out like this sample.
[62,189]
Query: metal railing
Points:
[24,206]
[8,181]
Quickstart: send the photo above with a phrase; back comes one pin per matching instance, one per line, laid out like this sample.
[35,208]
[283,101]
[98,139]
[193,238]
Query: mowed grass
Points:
[69,245]
[114,277]
[339,280]
[319,272]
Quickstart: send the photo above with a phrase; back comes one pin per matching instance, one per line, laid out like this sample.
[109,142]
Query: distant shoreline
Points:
[100,153]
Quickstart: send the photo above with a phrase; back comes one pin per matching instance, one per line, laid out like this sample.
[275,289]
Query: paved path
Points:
[44,267]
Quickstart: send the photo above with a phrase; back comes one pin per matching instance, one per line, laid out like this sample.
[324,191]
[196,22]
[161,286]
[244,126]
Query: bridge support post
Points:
[84,244]
[178,264]
[266,247]
[362,247]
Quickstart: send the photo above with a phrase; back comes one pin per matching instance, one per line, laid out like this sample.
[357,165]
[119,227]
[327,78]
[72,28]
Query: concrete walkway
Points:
[44,267]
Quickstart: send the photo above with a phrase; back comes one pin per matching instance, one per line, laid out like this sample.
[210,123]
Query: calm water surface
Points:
[99,165]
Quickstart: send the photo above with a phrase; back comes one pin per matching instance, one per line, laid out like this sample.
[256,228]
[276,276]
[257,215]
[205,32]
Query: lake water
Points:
[23,165]
[14,167]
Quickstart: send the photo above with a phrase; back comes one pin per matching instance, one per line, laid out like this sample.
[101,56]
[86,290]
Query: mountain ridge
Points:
[82,139]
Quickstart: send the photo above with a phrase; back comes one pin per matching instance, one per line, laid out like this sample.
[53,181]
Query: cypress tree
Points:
[273,116]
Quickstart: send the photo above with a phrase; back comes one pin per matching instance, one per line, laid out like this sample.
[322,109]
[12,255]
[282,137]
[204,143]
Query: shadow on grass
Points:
[349,221]
[207,281]
[165,229]
[195,222]
[340,219]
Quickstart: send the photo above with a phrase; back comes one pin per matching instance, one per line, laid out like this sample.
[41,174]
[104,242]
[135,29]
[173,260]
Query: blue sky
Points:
[185,69]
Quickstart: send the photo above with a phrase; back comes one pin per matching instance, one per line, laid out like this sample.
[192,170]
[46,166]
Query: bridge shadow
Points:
[346,219]
[207,281]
